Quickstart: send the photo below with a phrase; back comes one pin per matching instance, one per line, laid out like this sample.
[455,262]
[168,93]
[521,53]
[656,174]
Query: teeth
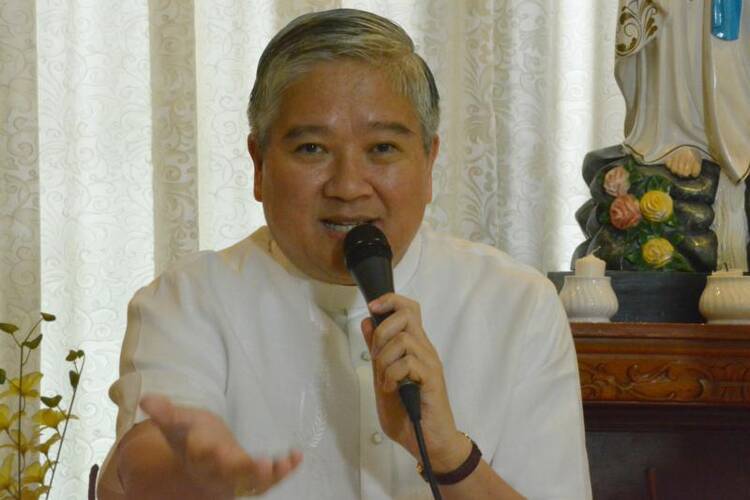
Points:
[342,228]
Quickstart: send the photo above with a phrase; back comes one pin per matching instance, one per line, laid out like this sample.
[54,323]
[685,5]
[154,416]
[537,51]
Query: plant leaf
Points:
[72,355]
[33,343]
[8,328]
[74,377]
[80,353]
[51,402]
[2,376]
[48,317]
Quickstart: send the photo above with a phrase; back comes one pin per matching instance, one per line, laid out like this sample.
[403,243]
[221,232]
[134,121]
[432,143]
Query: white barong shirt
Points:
[282,359]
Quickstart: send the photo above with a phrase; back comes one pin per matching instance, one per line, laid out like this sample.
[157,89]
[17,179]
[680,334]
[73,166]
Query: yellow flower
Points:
[48,417]
[29,494]
[26,443]
[6,417]
[35,473]
[656,206]
[44,447]
[657,252]
[28,386]
[6,474]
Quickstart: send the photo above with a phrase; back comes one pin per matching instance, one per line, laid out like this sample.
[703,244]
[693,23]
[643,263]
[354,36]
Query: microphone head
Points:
[365,241]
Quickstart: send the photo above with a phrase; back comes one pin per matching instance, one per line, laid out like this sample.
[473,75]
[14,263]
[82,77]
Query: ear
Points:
[256,153]
[431,156]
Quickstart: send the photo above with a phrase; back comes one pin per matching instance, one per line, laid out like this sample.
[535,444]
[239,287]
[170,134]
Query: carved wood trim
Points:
[664,363]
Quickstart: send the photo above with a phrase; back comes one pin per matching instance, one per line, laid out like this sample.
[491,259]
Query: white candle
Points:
[590,266]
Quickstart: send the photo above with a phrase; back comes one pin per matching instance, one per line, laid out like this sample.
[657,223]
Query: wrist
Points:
[449,457]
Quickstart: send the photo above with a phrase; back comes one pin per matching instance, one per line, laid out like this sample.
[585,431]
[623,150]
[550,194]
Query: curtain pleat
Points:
[96,205]
[19,168]
[20,287]
[174,148]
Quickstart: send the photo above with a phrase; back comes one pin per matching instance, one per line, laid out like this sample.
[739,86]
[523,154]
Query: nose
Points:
[348,178]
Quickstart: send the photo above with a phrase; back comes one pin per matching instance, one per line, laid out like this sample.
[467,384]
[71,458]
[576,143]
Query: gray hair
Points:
[342,33]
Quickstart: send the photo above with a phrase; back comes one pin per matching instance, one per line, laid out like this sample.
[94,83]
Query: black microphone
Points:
[368,258]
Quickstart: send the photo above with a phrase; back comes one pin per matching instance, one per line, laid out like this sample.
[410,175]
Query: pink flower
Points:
[624,212]
[617,181]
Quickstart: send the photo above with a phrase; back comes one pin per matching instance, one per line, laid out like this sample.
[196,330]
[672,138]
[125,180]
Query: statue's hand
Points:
[684,162]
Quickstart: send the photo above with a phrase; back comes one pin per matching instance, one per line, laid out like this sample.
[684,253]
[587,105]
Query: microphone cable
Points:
[411,399]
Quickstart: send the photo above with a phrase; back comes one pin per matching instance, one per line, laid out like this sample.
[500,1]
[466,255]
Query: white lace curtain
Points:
[122,147]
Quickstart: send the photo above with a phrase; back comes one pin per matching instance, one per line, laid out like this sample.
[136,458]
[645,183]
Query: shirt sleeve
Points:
[542,451]
[173,346]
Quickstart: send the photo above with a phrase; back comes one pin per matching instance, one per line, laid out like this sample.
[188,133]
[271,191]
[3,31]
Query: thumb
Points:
[173,422]
[159,408]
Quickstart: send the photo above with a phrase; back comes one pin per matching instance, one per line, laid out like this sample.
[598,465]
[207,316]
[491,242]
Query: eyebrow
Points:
[395,127]
[300,130]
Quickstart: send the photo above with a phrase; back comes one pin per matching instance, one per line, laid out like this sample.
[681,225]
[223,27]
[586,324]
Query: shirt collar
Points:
[338,299]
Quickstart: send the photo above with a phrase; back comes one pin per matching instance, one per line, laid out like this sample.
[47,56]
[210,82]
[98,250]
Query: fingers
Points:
[405,317]
[209,452]
[399,346]
[263,474]
[406,367]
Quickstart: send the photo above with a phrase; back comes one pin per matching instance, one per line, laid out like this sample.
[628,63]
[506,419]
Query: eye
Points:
[309,148]
[384,147]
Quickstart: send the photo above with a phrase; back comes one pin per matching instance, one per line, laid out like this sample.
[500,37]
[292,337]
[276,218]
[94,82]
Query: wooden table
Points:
[667,409]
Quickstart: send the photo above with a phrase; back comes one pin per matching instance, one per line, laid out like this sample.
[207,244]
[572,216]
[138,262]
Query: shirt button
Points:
[365,356]
[376,438]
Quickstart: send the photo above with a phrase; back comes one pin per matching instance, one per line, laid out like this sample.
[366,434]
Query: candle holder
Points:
[726,298]
[589,299]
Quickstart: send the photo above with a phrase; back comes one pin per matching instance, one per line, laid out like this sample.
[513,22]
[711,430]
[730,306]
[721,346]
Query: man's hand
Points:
[208,456]
[400,348]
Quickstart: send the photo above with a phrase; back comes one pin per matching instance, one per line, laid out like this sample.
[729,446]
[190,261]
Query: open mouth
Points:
[345,227]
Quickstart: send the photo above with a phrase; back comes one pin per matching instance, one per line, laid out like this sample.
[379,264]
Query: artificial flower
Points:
[48,417]
[33,494]
[656,206]
[26,443]
[6,417]
[6,474]
[624,212]
[35,473]
[27,387]
[617,181]
[44,447]
[657,252]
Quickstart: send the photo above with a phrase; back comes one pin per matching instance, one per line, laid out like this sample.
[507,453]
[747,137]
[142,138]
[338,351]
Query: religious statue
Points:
[672,196]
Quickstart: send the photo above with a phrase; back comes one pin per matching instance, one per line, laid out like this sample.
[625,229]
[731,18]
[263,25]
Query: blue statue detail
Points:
[725,19]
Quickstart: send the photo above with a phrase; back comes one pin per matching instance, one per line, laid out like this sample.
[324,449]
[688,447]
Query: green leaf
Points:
[74,377]
[48,317]
[2,376]
[680,263]
[33,343]
[8,328]
[51,402]
[603,217]
[73,355]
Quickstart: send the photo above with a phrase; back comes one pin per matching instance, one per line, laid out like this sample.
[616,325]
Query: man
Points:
[267,346]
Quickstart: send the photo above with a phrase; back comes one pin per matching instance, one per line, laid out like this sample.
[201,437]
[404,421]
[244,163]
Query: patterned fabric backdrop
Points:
[122,147]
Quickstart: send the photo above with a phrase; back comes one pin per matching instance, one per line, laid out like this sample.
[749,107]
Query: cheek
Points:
[290,197]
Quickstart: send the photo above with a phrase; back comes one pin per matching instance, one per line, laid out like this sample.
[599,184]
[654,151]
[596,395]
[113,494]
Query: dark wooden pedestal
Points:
[667,409]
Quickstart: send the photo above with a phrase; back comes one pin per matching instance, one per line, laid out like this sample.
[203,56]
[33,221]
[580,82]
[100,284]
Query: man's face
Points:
[345,148]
